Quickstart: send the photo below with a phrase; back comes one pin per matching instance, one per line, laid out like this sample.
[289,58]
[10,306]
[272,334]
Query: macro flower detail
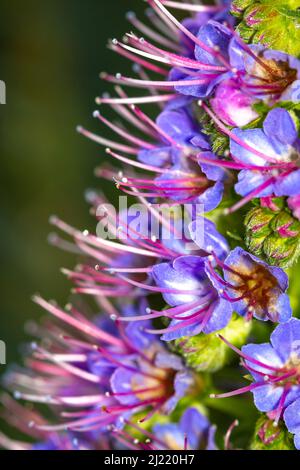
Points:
[272,232]
[255,288]
[193,432]
[271,75]
[233,106]
[197,253]
[195,304]
[274,151]
[275,24]
[274,367]
[128,373]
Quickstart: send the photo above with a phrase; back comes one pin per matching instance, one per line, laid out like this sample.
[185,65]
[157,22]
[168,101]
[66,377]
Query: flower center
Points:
[257,285]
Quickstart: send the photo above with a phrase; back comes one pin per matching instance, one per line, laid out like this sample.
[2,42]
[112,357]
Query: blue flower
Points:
[274,367]
[179,126]
[292,420]
[195,304]
[156,378]
[274,151]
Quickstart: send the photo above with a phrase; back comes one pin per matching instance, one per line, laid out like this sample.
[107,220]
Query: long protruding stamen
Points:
[134,163]
[242,166]
[134,82]
[157,5]
[136,100]
[169,57]
[228,434]
[239,391]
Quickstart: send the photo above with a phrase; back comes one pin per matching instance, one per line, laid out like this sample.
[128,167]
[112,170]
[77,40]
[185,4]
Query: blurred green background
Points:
[51,54]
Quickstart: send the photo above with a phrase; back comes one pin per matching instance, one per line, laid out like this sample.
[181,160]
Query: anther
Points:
[96,114]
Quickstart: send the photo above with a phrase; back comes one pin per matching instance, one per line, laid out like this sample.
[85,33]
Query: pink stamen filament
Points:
[175,60]
[106,142]
[135,82]
[126,51]
[152,34]
[123,133]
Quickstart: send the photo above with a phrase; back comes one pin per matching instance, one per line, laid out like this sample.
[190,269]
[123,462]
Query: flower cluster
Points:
[133,360]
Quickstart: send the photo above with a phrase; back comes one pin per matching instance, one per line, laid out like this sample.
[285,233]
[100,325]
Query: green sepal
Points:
[269,437]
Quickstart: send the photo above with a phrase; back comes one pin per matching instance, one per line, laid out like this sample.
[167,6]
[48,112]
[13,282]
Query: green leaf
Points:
[275,23]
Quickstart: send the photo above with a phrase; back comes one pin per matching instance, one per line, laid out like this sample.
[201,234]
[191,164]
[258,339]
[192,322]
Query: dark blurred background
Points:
[51,54]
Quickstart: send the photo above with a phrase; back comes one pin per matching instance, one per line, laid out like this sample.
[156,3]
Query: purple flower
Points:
[255,288]
[195,304]
[274,367]
[266,74]
[232,105]
[260,74]
[180,127]
[292,420]
[211,53]
[201,300]
[193,432]
[271,154]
